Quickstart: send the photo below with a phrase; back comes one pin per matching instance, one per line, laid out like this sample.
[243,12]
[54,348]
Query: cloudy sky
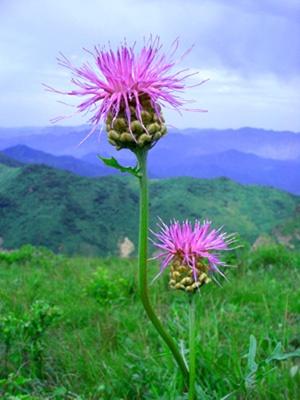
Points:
[250,50]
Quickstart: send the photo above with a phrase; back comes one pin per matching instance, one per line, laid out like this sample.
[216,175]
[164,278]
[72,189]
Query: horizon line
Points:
[86,126]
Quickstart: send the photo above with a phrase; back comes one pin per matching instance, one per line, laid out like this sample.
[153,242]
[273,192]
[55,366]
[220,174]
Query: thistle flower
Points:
[126,90]
[191,251]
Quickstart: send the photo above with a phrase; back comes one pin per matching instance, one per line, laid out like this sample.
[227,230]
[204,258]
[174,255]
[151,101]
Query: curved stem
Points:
[143,256]
[192,348]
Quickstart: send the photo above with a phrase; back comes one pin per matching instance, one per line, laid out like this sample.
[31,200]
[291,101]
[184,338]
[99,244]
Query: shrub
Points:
[22,339]
[105,289]
[272,256]
[25,254]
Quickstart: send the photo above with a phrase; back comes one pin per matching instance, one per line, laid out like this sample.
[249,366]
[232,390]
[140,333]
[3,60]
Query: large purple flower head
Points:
[192,251]
[127,88]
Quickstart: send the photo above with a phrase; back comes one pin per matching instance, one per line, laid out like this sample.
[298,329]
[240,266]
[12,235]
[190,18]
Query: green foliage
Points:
[113,163]
[289,230]
[251,364]
[13,385]
[23,254]
[101,345]
[273,256]
[16,387]
[26,254]
[23,337]
[106,288]
[257,371]
[9,162]
[279,355]
[76,215]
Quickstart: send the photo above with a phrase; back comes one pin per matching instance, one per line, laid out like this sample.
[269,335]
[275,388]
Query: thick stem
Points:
[143,256]
[192,348]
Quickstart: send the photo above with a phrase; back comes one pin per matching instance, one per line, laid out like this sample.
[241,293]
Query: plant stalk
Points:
[143,258]
[192,347]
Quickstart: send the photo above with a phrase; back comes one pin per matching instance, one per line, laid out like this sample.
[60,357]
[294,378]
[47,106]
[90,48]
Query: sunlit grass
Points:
[103,346]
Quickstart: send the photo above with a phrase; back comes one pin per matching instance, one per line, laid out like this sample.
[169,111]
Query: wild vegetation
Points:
[76,215]
[74,328]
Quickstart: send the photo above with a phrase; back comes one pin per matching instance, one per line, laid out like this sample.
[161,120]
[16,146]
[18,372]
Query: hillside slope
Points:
[8,161]
[288,232]
[65,212]
[241,167]
[27,155]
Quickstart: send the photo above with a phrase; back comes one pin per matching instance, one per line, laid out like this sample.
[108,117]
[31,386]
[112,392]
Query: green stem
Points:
[192,348]
[143,257]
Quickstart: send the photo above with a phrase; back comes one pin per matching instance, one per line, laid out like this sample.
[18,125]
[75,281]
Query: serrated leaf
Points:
[113,163]
[279,355]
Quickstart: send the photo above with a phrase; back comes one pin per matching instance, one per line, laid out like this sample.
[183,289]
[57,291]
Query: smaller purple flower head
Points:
[127,88]
[191,251]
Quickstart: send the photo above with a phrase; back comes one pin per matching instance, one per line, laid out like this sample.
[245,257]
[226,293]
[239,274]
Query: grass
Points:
[101,345]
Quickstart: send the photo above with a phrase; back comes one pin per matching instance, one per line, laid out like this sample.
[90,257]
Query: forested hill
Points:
[45,206]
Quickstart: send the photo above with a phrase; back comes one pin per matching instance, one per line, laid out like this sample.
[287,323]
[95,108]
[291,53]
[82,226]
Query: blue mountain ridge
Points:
[192,142]
[27,155]
[247,155]
[241,167]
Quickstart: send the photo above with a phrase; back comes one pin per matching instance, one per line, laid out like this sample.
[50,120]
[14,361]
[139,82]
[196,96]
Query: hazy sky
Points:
[250,50]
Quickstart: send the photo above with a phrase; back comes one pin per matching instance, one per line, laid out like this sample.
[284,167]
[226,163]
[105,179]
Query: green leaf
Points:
[201,393]
[113,163]
[228,395]
[60,391]
[278,355]
[251,365]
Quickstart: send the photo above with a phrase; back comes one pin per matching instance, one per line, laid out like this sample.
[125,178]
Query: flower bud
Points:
[126,137]
[120,124]
[183,278]
[136,127]
[157,135]
[113,135]
[146,117]
[144,139]
[142,131]
[163,130]
[153,128]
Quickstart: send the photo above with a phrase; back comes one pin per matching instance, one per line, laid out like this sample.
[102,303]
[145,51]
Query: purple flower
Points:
[192,251]
[121,81]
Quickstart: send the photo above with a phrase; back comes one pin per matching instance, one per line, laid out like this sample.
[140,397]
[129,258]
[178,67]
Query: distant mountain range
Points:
[44,130]
[8,161]
[28,155]
[247,155]
[241,167]
[79,215]
[192,142]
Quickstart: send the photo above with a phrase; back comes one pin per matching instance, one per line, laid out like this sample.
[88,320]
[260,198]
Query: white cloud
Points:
[249,49]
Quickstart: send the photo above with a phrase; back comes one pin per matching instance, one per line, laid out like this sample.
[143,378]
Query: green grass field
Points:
[74,328]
